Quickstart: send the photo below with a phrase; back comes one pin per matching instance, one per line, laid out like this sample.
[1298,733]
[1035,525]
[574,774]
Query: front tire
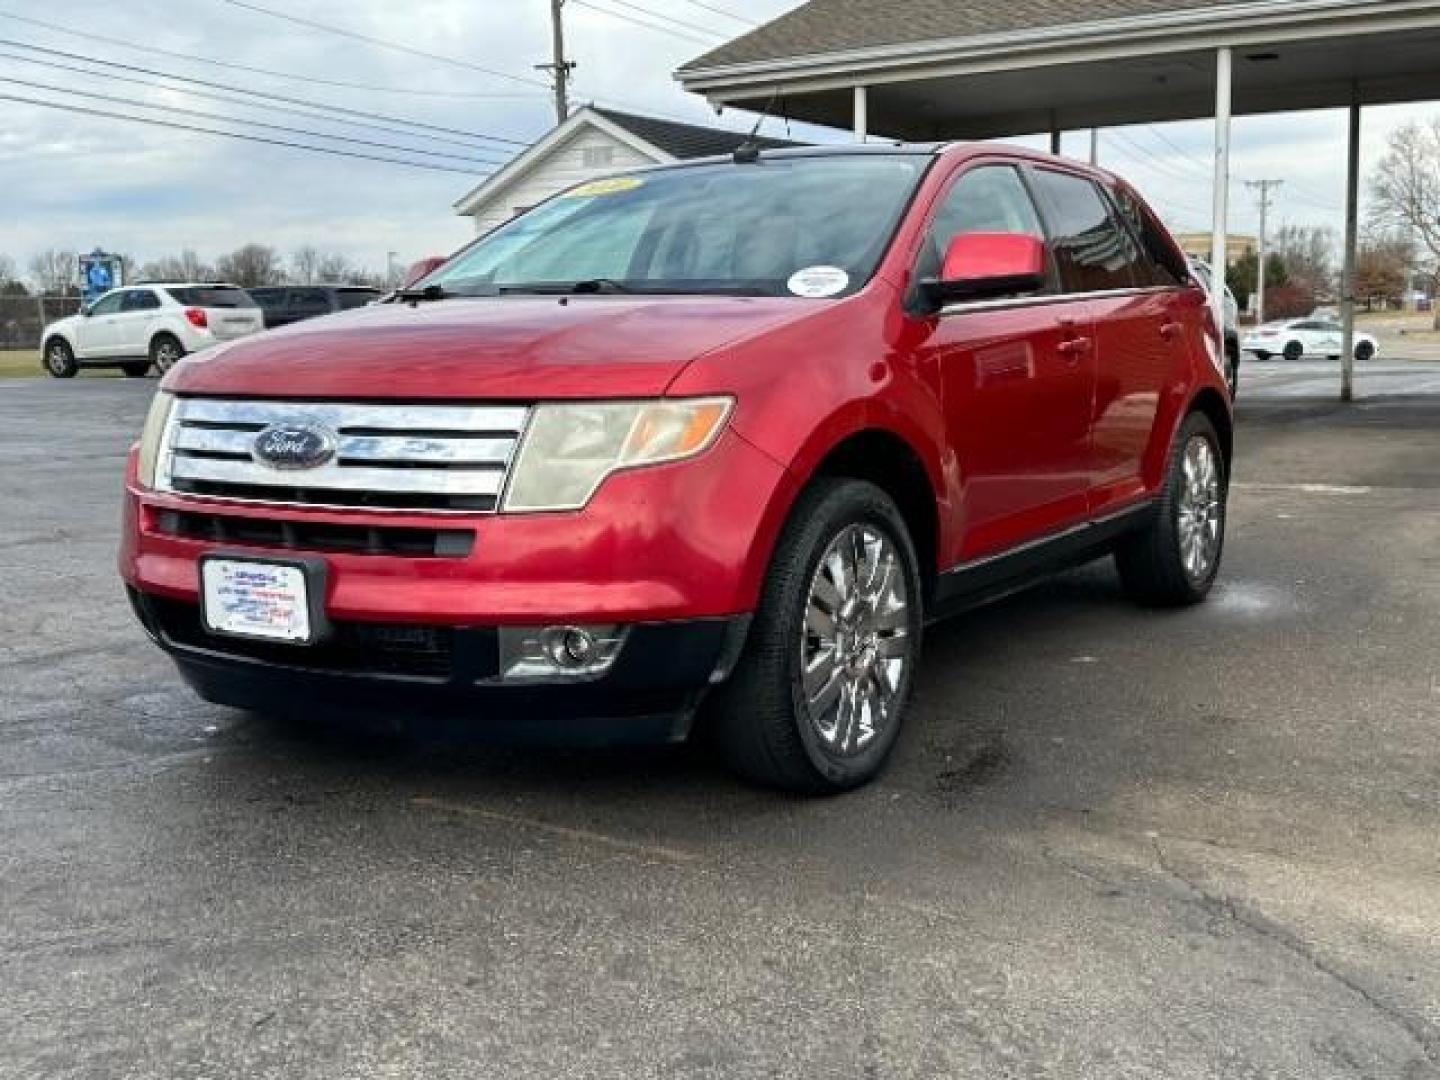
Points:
[1294,351]
[165,352]
[60,359]
[817,700]
[1175,560]
[1364,352]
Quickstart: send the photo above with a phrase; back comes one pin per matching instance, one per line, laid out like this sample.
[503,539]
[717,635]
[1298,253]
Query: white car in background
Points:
[1295,339]
[1201,269]
[150,325]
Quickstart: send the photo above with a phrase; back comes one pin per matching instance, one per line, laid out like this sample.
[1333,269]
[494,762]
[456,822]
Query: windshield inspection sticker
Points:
[818,281]
[612,186]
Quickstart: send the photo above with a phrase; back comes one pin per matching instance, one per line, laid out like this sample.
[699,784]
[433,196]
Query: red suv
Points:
[717,439]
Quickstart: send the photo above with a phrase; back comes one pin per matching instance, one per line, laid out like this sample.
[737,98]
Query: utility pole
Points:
[1094,146]
[559,67]
[1262,186]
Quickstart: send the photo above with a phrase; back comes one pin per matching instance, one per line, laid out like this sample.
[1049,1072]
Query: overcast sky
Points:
[76,181]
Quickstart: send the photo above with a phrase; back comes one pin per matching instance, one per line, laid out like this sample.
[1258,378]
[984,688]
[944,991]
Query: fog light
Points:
[570,647]
[541,654]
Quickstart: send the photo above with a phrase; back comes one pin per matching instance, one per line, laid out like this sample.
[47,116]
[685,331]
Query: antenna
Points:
[748,152]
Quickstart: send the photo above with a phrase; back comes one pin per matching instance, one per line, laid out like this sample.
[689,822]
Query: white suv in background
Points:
[149,325]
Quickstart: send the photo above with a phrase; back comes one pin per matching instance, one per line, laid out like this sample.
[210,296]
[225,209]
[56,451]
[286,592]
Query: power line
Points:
[651,13]
[52,64]
[265,94]
[636,21]
[315,79]
[176,126]
[133,103]
[721,11]
[382,42]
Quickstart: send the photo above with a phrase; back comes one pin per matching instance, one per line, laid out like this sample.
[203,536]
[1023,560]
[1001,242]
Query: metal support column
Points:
[1352,238]
[1219,240]
[862,114]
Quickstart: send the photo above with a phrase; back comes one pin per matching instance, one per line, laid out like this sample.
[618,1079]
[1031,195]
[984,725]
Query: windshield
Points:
[213,296]
[808,226]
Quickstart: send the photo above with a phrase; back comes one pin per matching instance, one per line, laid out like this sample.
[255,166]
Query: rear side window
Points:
[314,301]
[267,298]
[1163,262]
[212,296]
[140,300]
[1094,252]
[989,198]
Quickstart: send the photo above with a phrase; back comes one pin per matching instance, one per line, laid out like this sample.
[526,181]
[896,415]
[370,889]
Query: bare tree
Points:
[251,265]
[1384,266]
[53,271]
[187,266]
[305,265]
[1309,257]
[1405,189]
[335,267]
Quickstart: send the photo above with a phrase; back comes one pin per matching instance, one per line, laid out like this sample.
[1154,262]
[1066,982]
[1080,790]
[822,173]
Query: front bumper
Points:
[430,679]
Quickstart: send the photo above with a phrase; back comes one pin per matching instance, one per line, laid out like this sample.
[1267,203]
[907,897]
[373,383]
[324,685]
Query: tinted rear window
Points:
[212,296]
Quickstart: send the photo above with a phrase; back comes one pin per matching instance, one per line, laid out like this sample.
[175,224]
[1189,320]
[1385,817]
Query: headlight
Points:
[570,447]
[156,420]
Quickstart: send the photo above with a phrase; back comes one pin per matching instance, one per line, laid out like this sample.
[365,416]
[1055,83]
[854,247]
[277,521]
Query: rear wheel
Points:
[1364,351]
[165,352]
[135,369]
[817,700]
[60,359]
[1174,561]
[1294,351]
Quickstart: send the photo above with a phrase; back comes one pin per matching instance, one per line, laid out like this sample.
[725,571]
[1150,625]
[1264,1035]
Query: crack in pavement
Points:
[1266,928]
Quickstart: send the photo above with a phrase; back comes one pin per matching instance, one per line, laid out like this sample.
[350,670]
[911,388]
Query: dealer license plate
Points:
[256,599]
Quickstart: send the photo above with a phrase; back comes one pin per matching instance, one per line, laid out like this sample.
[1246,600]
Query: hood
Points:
[492,347]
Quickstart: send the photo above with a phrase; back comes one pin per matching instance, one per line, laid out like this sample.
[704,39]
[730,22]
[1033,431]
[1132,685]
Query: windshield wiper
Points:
[568,288]
[429,292]
[600,285]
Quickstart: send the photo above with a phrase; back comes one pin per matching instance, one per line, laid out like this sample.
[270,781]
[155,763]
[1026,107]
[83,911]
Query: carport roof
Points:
[943,69]
[823,26]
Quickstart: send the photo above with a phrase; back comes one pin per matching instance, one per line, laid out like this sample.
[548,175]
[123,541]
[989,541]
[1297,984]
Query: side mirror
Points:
[985,265]
[424,268]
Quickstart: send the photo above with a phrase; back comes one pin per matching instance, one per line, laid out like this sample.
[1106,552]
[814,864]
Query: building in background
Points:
[1197,245]
[592,143]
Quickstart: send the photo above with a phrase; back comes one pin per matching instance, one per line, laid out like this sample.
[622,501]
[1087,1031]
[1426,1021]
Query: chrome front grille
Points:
[387,457]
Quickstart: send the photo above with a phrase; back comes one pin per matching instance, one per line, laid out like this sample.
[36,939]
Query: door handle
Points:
[1171,331]
[1074,347]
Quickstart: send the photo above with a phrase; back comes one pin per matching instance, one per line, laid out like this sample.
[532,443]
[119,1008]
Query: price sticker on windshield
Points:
[816,281]
[614,185]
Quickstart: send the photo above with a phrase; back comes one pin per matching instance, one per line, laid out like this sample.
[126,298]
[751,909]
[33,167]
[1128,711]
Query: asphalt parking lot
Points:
[1115,843]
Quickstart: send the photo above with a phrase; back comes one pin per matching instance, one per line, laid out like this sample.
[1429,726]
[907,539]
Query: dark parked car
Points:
[285,304]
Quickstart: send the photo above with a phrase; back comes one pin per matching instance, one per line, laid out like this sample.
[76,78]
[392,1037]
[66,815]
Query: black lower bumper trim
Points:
[649,695]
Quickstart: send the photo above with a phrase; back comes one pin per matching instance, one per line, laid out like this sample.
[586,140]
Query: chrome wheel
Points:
[57,359]
[1199,509]
[167,355]
[855,648]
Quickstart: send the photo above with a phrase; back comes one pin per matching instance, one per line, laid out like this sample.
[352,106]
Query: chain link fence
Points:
[23,317]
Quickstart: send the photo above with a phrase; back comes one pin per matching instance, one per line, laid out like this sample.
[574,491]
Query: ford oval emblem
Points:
[300,445]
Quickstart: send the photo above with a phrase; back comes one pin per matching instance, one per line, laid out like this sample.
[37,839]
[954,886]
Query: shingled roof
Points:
[835,26]
[685,141]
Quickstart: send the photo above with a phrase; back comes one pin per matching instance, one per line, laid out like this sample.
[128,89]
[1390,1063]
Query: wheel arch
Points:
[888,461]
[1210,402]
